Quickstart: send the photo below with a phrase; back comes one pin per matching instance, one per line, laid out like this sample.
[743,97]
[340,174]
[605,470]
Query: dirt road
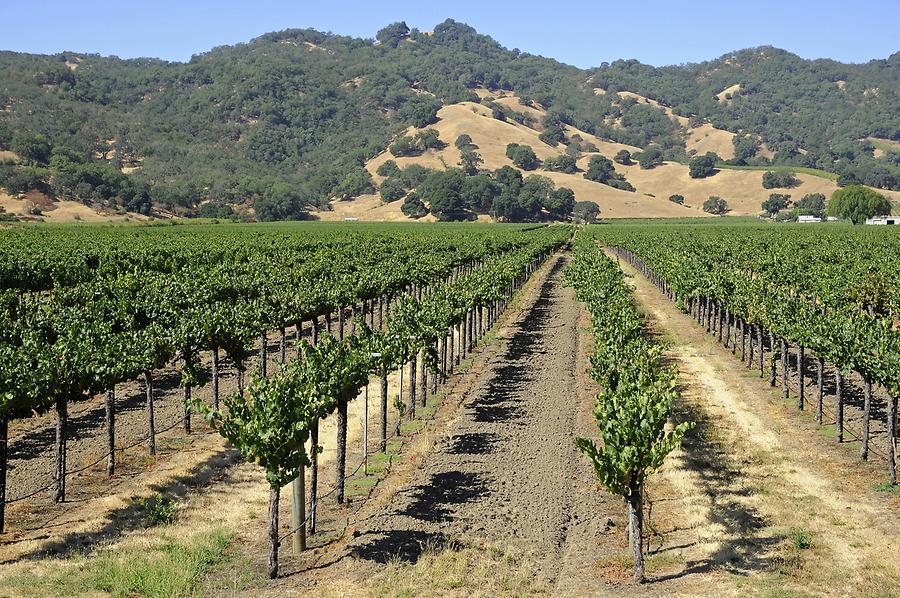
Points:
[505,469]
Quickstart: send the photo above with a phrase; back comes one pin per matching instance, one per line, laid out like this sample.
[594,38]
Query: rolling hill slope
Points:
[742,189]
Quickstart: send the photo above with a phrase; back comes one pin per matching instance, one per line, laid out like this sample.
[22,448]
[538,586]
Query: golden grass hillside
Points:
[52,210]
[742,190]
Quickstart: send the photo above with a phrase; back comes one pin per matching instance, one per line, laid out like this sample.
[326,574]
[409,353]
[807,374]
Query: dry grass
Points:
[449,570]
[58,210]
[731,90]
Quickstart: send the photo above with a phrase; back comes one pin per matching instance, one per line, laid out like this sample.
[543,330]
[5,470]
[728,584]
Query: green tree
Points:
[522,156]
[478,192]
[413,175]
[413,207]
[553,135]
[779,180]
[442,191]
[392,189]
[585,211]
[703,166]
[745,147]
[776,203]
[623,157]
[650,158]
[679,199]
[388,169]
[561,163]
[33,149]
[858,203]
[393,34]
[405,146]
[715,205]
[534,195]
[464,140]
[812,204]
[429,139]
[22,179]
[600,169]
[281,201]
[560,203]
[469,161]
[357,182]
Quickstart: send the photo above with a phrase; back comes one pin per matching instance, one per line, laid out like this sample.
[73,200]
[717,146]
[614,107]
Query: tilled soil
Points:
[505,469]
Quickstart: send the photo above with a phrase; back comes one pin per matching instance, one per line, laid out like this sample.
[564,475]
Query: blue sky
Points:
[576,32]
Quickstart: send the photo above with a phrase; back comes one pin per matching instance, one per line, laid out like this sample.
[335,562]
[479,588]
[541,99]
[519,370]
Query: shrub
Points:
[157,510]
[679,199]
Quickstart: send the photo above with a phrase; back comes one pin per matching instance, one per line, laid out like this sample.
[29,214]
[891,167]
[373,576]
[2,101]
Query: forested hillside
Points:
[289,119]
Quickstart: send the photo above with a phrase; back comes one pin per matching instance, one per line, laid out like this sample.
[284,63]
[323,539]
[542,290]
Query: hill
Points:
[285,122]
[742,189]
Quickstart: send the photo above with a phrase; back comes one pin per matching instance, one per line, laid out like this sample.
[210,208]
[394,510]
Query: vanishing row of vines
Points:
[825,300]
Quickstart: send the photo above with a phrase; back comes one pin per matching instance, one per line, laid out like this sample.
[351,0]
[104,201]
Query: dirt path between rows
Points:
[759,500]
[504,469]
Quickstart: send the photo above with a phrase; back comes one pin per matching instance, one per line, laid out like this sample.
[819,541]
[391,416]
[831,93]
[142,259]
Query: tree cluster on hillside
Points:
[715,205]
[813,113]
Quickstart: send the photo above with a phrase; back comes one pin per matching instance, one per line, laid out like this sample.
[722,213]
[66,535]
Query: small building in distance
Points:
[883,220]
[806,219]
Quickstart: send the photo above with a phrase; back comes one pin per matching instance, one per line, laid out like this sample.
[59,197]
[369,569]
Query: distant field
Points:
[797,169]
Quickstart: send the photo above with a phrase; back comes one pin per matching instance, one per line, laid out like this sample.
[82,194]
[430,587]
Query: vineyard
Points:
[542,369]
[822,306]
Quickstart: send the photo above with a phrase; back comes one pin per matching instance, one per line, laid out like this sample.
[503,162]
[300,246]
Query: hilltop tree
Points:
[553,135]
[405,146]
[392,189]
[32,149]
[776,203]
[393,34]
[745,147]
[429,139]
[858,203]
[388,169]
